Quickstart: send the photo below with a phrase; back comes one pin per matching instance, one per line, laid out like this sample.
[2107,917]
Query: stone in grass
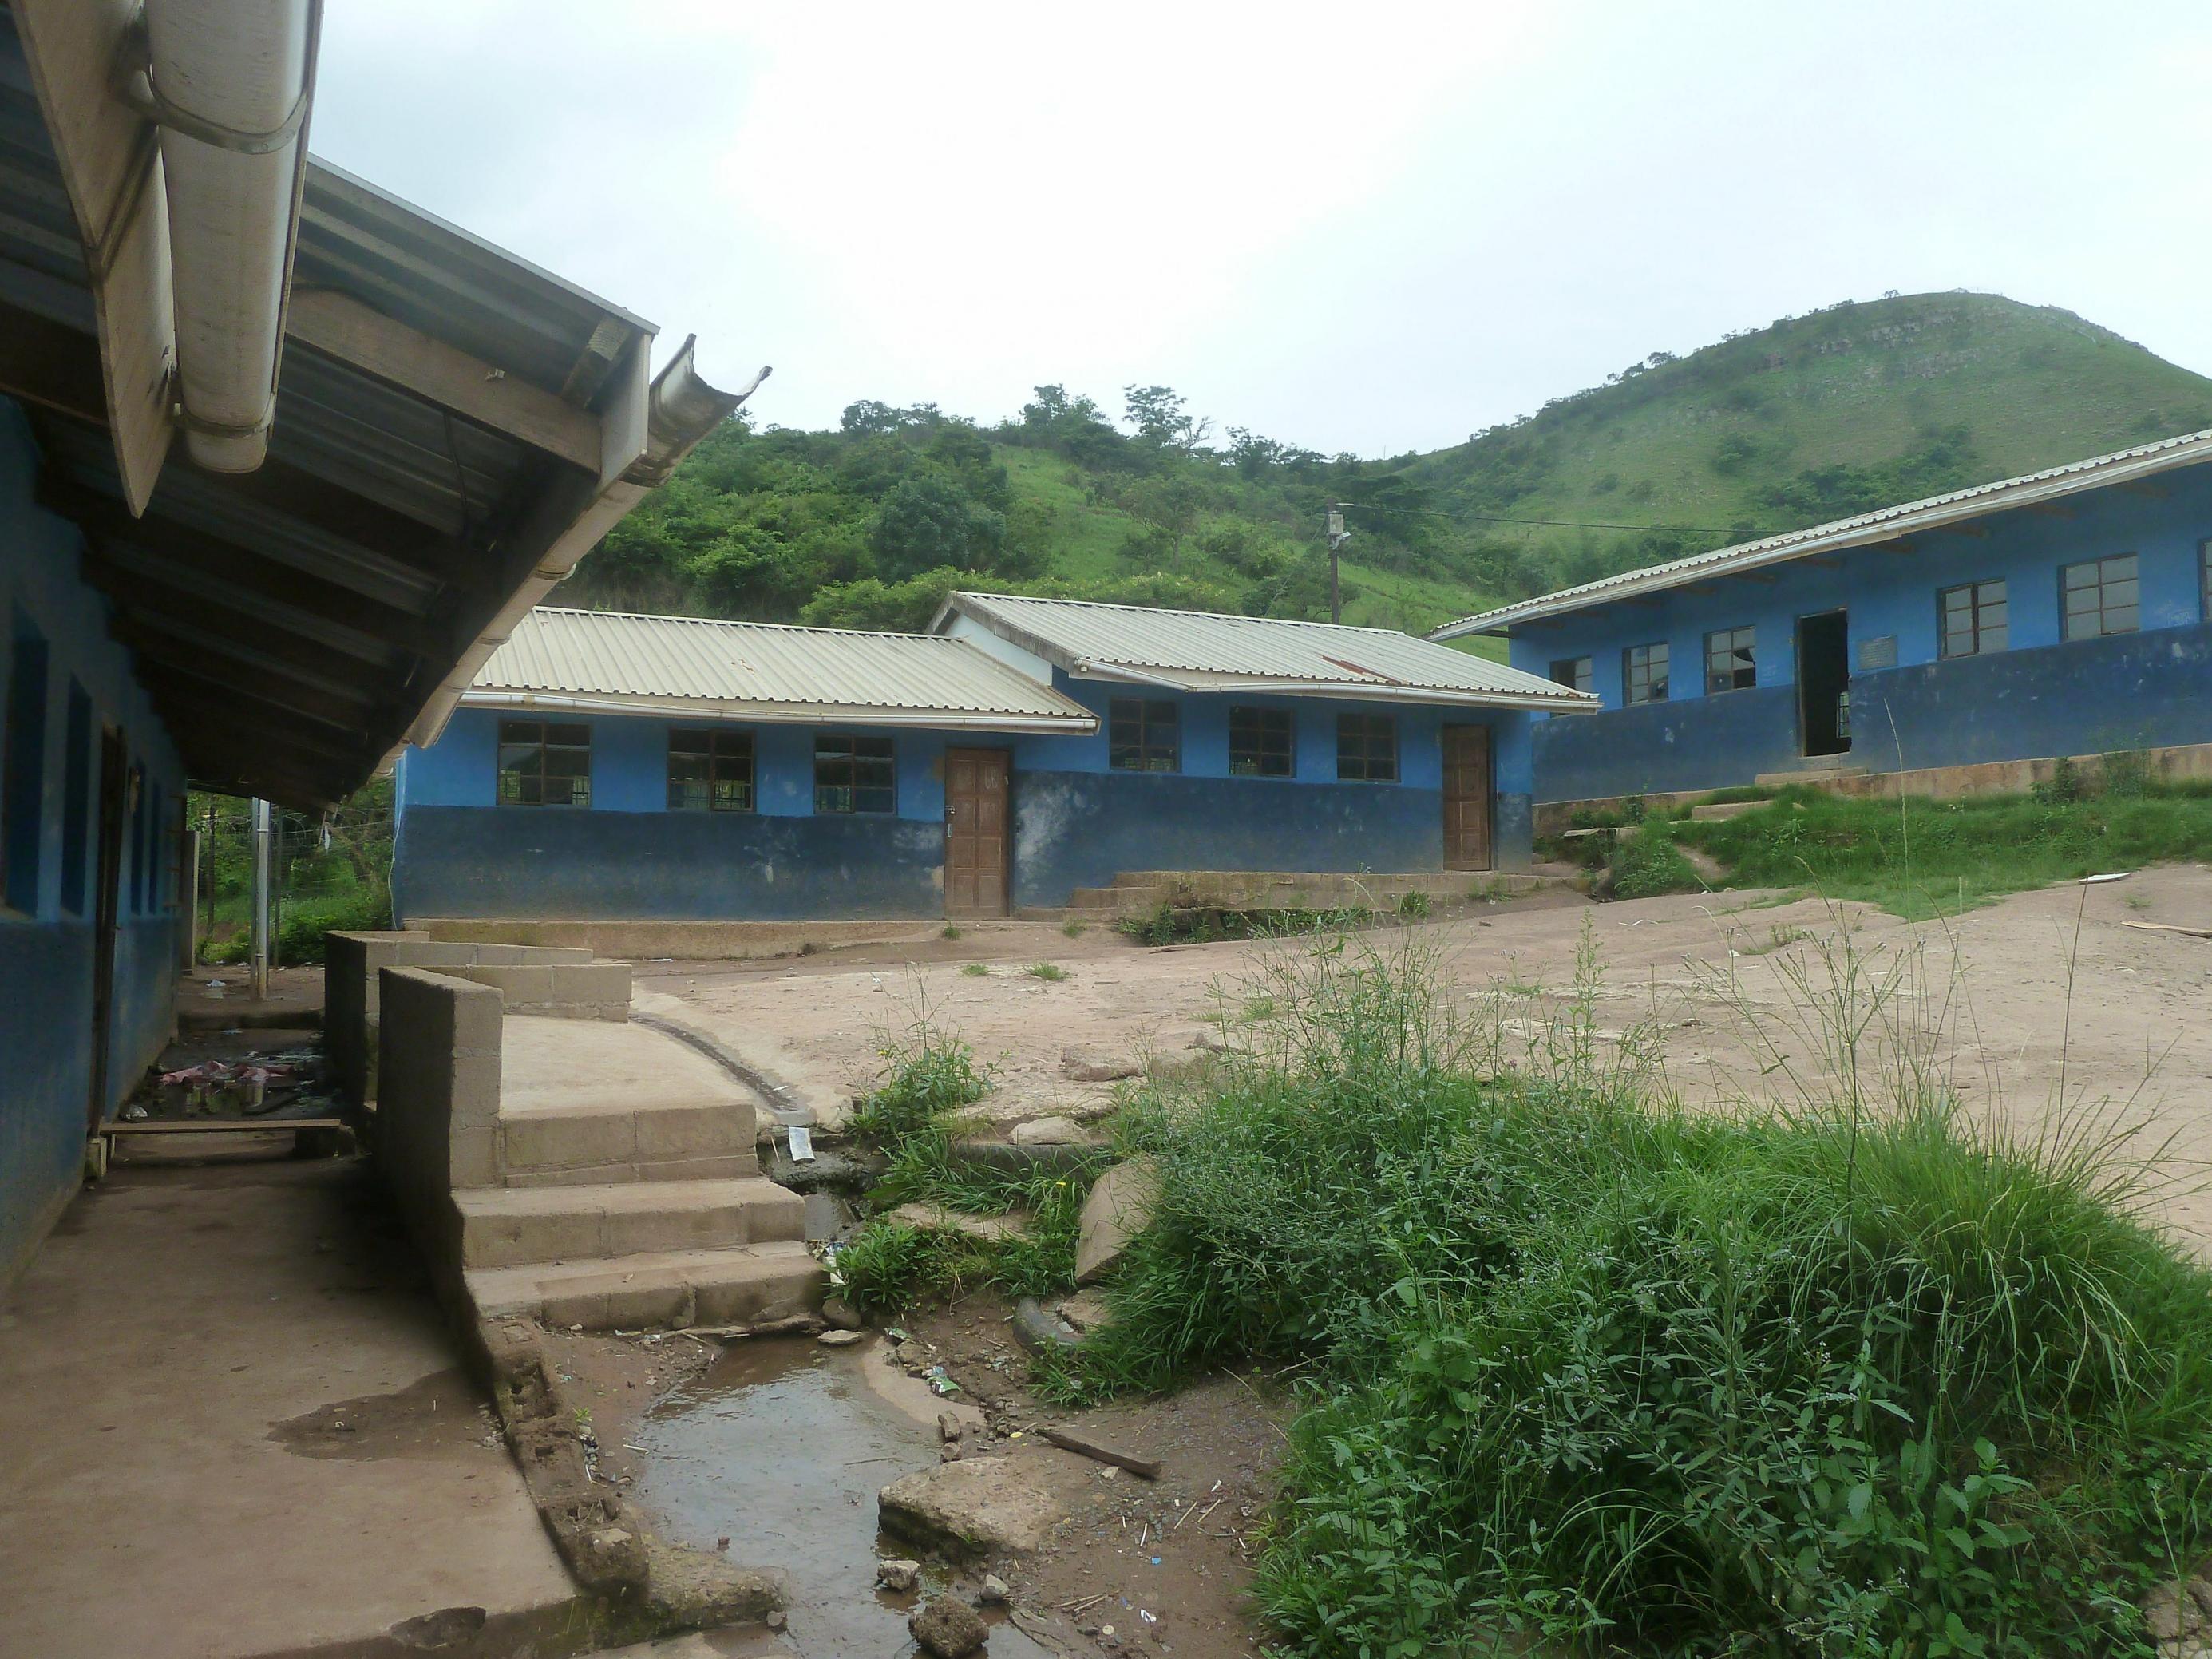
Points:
[837,1339]
[995,1593]
[1120,1206]
[1049,1132]
[977,1506]
[947,1627]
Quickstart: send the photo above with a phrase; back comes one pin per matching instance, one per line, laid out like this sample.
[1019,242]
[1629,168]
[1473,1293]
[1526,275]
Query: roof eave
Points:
[1079,721]
[1564,701]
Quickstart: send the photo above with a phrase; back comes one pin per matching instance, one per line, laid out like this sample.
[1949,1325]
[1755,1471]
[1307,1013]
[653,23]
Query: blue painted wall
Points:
[1077,823]
[45,945]
[2041,697]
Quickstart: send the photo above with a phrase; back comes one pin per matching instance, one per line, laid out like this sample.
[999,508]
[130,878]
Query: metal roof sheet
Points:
[1197,650]
[763,669]
[1884,524]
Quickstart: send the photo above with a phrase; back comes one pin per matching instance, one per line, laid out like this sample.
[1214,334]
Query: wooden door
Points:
[975,837]
[1467,798]
[106,902]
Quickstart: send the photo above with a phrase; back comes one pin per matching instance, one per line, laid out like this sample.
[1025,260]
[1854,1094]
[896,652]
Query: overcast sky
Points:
[1367,227]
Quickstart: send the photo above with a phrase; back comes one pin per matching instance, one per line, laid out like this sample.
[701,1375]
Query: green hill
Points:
[1811,418]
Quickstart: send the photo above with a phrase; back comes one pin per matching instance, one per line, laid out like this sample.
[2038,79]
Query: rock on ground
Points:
[947,1627]
[1083,1064]
[1049,1132]
[1119,1206]
[898,1575]
[935,1218]
[976,1506]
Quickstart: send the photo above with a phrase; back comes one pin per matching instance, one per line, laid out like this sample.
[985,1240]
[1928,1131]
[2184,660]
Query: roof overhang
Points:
[1392,692]
[453,430]
[1078,723]
[1888,525]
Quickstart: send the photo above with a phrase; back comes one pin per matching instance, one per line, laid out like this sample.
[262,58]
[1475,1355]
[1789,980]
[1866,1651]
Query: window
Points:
[2098,597]
[23,768]
[710,770]
[854,774]
[1260,744]
[77,804]
[1366,749]
[544,763]
[1971,620]
[1573,673]
[1142,736]
[1643,674]
[1729,659]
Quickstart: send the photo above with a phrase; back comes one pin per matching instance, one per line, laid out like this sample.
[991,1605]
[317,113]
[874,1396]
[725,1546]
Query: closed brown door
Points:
[1467,798]
[975,853]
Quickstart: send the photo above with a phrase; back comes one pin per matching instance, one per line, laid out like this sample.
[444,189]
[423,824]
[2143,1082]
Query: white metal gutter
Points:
[229,84]
[1566,702]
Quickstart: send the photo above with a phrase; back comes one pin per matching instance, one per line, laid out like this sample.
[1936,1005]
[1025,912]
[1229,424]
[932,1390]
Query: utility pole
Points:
[1338,535]
[261,833]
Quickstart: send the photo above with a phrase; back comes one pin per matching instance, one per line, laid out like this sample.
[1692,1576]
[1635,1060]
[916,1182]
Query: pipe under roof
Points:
[229,84]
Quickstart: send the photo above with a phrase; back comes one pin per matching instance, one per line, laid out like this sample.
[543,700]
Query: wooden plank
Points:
[341,326]
[1148,1468]
[2168,927]
[218,1126]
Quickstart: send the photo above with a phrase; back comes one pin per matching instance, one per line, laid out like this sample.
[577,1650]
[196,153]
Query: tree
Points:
[927,522]
[868,416]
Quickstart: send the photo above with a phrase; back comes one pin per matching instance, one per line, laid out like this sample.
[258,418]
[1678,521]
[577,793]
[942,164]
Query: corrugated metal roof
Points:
[764,670]
[1199,651]
[1884,524]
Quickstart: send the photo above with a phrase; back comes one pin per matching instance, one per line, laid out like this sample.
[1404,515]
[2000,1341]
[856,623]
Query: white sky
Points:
[1367,227]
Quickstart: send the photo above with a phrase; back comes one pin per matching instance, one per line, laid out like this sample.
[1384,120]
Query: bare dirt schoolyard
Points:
[2075,993]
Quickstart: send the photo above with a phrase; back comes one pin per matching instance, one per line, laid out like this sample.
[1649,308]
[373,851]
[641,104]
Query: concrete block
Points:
[549,1140]
[474,1159]
[582,1175]
[734,1167]
[591,982]
[697,1132]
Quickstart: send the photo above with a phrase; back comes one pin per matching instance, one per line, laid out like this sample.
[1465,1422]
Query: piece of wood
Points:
[1144,1469]
[2168,928]
[342,327]
[218,1126]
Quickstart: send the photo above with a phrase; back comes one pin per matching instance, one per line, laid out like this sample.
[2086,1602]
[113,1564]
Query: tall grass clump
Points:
[1849,1372]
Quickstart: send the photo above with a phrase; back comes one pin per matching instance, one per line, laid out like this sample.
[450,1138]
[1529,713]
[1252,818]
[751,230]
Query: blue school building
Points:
[660,769]
[1964,642]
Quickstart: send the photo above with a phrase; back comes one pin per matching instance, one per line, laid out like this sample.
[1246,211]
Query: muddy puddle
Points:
[780,1447]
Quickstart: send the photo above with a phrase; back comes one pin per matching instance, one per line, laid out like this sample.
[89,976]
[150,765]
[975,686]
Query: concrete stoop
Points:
[1141,892]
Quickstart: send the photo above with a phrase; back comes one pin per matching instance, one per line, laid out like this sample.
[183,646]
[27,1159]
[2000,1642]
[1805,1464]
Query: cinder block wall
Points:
[438,1071]
[353,962]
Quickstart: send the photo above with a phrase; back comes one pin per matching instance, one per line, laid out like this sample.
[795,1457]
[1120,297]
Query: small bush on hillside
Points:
[1649,863]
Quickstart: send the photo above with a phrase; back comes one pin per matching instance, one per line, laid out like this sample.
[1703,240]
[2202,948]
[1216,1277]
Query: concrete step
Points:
[601,1142]
[744,1284]
[1810,772]
[508,1227]
[1119,900]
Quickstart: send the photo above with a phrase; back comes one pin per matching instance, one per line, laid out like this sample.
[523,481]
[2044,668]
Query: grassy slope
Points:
[2037,385]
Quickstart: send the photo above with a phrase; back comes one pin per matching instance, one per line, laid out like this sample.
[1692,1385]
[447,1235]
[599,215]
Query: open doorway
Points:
[1824,682]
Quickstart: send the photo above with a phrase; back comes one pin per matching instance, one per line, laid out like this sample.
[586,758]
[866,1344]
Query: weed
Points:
[1414,905]
[948,931]
[1258,1007]
[931,1074]
[1075,927]
[1051,972]
[974,970]
[1851,1371]
[809,947]
[2136,901]
[1649,863]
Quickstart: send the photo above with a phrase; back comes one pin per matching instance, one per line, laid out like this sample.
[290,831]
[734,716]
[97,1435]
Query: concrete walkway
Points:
[174,1369]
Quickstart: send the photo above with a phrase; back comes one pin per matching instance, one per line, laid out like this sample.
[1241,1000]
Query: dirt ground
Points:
[2058,1008]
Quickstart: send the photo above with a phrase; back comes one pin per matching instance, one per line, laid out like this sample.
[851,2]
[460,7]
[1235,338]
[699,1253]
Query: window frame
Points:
[1662,679]
[2067,635]
[508,738]
[1148,717]
[1364,759]
[853,758]
[1272,735]
[1978,629]
[1743,642]
[1581,672]
[740,773]
[2204,580]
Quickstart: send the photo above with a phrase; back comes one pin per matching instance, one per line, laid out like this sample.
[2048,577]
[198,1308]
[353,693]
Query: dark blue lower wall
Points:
[45,1034]
[2130,691]
[549,864]
[1081,829]
[1699,742]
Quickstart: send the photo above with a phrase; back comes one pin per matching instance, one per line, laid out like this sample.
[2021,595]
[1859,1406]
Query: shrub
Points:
[930,1075]
[1648,863]
[1051,972]
[1413,906]
[1850,1375]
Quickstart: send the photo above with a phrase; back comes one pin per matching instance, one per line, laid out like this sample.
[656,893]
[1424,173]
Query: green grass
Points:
[1075,927]
[974,970]
[1051,972]
[1856,1374]
[1919,858]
